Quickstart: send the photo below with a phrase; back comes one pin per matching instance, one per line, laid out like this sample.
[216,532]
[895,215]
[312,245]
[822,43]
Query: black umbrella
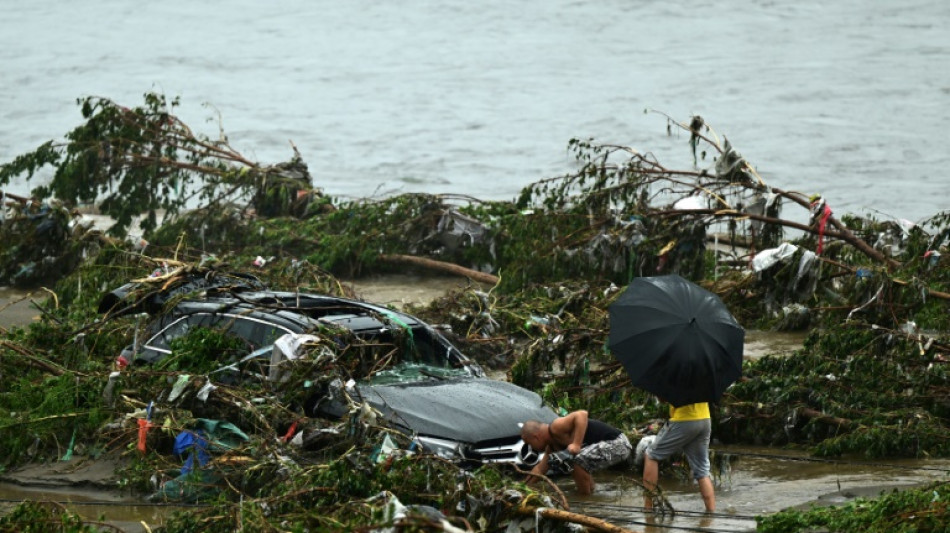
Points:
[676,339]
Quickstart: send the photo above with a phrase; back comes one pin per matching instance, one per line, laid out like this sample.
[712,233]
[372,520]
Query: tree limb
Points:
[844,235]
[596,524]
[441,266]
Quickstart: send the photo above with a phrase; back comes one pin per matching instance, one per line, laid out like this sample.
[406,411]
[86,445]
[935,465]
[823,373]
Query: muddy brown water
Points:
[760,480]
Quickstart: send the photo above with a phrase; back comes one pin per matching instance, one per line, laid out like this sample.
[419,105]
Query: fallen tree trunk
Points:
[441,266]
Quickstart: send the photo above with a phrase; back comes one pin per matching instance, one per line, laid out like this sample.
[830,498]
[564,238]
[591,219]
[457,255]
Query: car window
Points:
[178,328]
[255,332]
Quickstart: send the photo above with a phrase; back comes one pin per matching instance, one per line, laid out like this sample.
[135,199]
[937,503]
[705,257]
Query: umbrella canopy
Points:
[676,339]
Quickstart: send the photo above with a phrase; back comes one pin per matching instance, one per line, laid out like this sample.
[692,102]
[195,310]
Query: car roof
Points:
[301,309]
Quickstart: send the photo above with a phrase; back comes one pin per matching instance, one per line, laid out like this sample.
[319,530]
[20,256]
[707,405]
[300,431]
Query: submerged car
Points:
[434,393]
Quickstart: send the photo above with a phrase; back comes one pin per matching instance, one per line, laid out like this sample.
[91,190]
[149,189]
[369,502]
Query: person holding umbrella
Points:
[678,341]
[595,445]
[688,431]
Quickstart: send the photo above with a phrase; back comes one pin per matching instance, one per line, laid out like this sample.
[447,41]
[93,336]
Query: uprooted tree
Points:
[140,161]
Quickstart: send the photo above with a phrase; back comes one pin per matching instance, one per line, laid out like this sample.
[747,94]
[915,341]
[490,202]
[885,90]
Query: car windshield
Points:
[407,372]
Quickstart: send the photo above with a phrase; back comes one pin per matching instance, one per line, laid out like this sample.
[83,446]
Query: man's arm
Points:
[578,427]
[540,468]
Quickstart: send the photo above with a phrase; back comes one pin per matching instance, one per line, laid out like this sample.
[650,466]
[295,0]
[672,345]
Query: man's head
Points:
[535,433]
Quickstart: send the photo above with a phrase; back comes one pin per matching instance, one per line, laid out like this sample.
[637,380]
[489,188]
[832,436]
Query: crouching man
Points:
[593,444]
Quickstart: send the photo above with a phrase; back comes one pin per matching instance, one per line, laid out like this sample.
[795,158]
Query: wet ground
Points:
[760,480]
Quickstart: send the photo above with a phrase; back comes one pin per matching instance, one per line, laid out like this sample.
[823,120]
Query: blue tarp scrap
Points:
[192,443]
[208,436]
[205,438]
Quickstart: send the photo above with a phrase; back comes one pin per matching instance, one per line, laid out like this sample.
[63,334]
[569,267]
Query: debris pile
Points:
[871,379]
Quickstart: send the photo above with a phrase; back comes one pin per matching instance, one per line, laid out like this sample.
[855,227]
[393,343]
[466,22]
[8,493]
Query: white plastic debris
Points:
[179,387]
[689,203]
[205,391]
[641,450]
[287,347]
[767,258]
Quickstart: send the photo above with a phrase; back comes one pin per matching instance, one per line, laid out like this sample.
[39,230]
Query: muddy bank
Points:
[16,309]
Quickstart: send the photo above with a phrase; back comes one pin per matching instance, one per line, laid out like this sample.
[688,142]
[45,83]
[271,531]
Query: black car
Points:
[435,393]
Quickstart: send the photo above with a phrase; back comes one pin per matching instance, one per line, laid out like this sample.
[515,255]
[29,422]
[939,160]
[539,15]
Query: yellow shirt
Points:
[693,411]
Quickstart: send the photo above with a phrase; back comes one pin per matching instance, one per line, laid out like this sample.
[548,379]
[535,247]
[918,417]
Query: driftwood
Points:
[441,266]
[590,522]
[550,483]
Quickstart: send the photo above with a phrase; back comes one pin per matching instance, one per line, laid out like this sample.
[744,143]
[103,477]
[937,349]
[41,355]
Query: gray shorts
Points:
[690,437]
[604,454]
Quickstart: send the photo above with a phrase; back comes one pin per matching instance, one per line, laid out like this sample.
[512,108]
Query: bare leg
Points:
[651,473]
[708,494]
[583,481]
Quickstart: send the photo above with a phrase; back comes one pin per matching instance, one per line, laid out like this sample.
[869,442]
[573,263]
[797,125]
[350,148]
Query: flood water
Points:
[120,510]
[761,481]
[847,98]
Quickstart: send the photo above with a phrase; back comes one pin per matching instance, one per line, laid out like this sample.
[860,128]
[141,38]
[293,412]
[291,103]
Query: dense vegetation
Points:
[871,381]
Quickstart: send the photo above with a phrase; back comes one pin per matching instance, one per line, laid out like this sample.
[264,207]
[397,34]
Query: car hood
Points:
[466,410]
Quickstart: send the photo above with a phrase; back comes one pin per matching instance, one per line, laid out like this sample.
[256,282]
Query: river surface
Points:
[848,98]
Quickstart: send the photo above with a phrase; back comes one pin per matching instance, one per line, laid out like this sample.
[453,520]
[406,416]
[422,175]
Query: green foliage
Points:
[887,388]
[866,383]
[908,511]
[39,415]
[40,245]
[202,350]
[117,153]
[142,161]
[40,517]
[346,493]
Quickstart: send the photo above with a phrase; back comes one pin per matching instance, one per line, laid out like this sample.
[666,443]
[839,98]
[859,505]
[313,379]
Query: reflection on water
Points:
[760,481]
[122,510]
